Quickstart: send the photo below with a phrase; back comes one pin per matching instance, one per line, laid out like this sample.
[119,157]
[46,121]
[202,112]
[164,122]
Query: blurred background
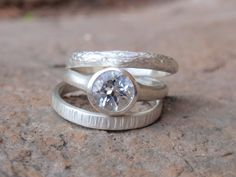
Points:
[13,8]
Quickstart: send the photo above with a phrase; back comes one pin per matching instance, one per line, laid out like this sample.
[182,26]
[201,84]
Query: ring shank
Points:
[137,72]
[90,62]
[100,121]
[147,89]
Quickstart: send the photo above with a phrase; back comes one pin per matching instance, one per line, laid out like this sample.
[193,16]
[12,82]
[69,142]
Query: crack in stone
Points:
[214,68]
[227,154]
[58,66]
[62,145]
[191,168]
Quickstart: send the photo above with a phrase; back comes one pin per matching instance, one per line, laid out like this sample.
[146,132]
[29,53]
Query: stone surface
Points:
[196,135]
[112,91]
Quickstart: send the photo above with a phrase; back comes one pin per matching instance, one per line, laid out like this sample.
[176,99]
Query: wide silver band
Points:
[142,64]
[147,89]
[100,121]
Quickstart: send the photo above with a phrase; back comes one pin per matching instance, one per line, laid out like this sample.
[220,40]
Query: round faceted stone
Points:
[112,91]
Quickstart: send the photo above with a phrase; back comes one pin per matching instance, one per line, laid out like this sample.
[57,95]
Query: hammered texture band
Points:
[100,121]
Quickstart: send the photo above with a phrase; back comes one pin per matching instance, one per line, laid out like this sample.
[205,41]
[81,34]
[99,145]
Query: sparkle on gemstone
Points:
[113,91]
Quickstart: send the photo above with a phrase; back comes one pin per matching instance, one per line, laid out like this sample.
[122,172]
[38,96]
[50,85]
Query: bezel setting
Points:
[110,83]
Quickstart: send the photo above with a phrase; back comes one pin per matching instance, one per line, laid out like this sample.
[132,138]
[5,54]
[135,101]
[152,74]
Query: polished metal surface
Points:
[146,89]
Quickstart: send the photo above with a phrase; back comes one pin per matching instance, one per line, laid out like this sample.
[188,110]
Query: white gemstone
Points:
[113,91]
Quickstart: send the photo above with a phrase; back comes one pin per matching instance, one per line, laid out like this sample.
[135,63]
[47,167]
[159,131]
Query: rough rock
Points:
[196,135]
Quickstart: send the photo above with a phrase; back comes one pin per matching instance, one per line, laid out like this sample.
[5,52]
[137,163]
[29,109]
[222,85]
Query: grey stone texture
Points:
[196,135]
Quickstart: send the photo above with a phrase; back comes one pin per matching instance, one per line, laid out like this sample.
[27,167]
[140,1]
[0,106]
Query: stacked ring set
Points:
[116,83]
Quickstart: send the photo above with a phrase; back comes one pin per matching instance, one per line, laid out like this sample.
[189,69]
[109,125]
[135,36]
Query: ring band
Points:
[150,90]
[127,78]
[145,64]
[100,121]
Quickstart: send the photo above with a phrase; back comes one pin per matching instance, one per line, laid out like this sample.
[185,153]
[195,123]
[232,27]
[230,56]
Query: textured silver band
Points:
[100,121]
[137,63]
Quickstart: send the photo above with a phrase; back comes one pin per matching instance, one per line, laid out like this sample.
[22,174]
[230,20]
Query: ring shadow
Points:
[184,107]
[175,108]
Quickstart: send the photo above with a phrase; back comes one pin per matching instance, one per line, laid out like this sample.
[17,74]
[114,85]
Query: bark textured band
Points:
[100,121]
[145,63]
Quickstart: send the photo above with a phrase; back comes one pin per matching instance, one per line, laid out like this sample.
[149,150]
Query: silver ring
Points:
[100,121]
[133,76]
[114,91]
[138,63]
[146,89]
